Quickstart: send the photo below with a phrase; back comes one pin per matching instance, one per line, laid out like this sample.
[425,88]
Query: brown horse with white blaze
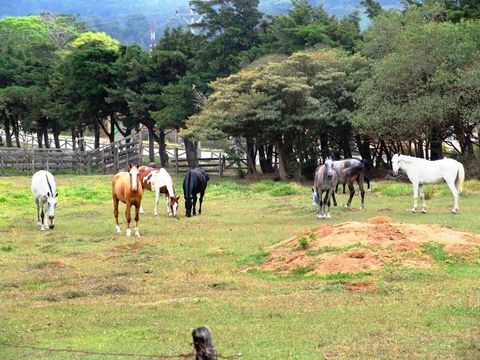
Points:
[127,188]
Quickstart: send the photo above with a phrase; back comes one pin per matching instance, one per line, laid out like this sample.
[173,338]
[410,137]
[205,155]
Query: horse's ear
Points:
[56,194]
[313,190]
[130,166]
[48,193]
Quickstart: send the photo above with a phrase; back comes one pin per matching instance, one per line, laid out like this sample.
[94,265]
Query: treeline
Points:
[300,85]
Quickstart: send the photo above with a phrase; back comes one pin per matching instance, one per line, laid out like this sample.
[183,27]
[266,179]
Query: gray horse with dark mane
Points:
[325,181]
[348,172]
[195,182]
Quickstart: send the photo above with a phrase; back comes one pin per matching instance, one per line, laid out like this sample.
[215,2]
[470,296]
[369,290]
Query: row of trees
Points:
[301,84]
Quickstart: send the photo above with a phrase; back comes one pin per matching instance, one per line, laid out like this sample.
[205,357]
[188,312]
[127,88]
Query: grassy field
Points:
[81,286]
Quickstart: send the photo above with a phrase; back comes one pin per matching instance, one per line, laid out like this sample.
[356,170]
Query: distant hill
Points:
[130,21]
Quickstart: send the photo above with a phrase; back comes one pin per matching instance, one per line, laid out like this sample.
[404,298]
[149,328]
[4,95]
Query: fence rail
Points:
[109,159]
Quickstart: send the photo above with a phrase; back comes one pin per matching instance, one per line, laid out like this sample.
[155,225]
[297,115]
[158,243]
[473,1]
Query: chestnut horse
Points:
[161,182]
[127,188]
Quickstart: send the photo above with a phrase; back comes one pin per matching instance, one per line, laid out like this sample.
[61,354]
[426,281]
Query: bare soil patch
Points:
[355,247]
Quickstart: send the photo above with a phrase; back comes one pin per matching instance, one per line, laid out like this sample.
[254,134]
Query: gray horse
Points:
[325,181]
[348,171]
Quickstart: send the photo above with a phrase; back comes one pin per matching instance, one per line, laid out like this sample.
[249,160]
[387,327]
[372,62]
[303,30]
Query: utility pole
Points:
[191,19]
[152,35]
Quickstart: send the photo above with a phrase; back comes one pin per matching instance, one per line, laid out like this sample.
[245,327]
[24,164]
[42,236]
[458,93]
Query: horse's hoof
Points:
[424,211]
[137,233]
[129,232]
[327,216]
[155,214]
[413,211]
[42,229]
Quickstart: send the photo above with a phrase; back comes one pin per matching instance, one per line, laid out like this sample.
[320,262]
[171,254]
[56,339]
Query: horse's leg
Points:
[453,189]
[327,202]
[334,198]
[115,213]
[194,203]
[169,210]
[362,191]
[352,193]
[415,196]
[137,217]
[320,204]
[42,214]
[157,199]
[344,187]
[38,212]
[422,194]
[200,202]
[326,199]
[129,217]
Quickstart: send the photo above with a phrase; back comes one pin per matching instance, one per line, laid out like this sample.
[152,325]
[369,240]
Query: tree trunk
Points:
[56,135]
[324,145]
[74,140]
[192,153]
[162,149]
[82,140]
[16,132]
[39,137]
[251,156]
[435,145]
[282,169]
[96,129]
[345,144]
[151,147]
[46,140]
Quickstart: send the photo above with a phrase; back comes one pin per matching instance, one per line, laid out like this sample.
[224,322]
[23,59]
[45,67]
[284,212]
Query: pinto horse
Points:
[127,188]
[421,171]
[45,193]
[325,181]
[195,182]
[161,182]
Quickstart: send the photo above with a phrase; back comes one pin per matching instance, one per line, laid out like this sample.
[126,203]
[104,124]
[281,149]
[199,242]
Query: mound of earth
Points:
[354,247]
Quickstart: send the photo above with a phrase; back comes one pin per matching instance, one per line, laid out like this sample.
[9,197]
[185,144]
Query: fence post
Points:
[2,165]
[89,162]
[115,158]
[175,152]
[220,164]
[33,160]
[202,340]
[140,149]
[102,159]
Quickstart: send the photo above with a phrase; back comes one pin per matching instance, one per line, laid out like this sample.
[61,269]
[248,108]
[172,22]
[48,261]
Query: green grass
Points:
[81,286]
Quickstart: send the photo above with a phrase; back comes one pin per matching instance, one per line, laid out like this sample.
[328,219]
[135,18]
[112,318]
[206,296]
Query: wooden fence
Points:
[107,160]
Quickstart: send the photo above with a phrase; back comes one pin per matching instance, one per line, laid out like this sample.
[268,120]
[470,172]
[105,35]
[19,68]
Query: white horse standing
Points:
[421,171]
[45,193]
[161,182]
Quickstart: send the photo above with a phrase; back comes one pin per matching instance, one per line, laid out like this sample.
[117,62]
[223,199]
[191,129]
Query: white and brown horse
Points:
[127,188]
[160,182]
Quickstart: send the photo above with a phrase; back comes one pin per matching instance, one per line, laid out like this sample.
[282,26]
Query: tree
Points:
[289,102]
[425,89]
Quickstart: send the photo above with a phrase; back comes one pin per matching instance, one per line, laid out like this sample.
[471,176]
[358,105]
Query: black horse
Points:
[195,182]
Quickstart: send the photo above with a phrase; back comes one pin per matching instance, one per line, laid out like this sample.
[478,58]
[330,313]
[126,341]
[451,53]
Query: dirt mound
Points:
[354,247]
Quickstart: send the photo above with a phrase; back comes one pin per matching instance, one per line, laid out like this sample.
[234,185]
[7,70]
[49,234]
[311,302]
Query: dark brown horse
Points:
[127,188]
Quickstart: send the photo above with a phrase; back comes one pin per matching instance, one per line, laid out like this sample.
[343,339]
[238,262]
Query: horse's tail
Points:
[460,177]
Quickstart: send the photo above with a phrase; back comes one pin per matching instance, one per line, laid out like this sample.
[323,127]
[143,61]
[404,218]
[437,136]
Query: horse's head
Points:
[329,170]
[395,164]
[174,204]
[52,204]
[134,176]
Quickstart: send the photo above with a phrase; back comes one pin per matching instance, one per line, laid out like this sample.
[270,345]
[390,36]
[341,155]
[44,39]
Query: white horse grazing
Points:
[421,171]
[160,181]
[45,193]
